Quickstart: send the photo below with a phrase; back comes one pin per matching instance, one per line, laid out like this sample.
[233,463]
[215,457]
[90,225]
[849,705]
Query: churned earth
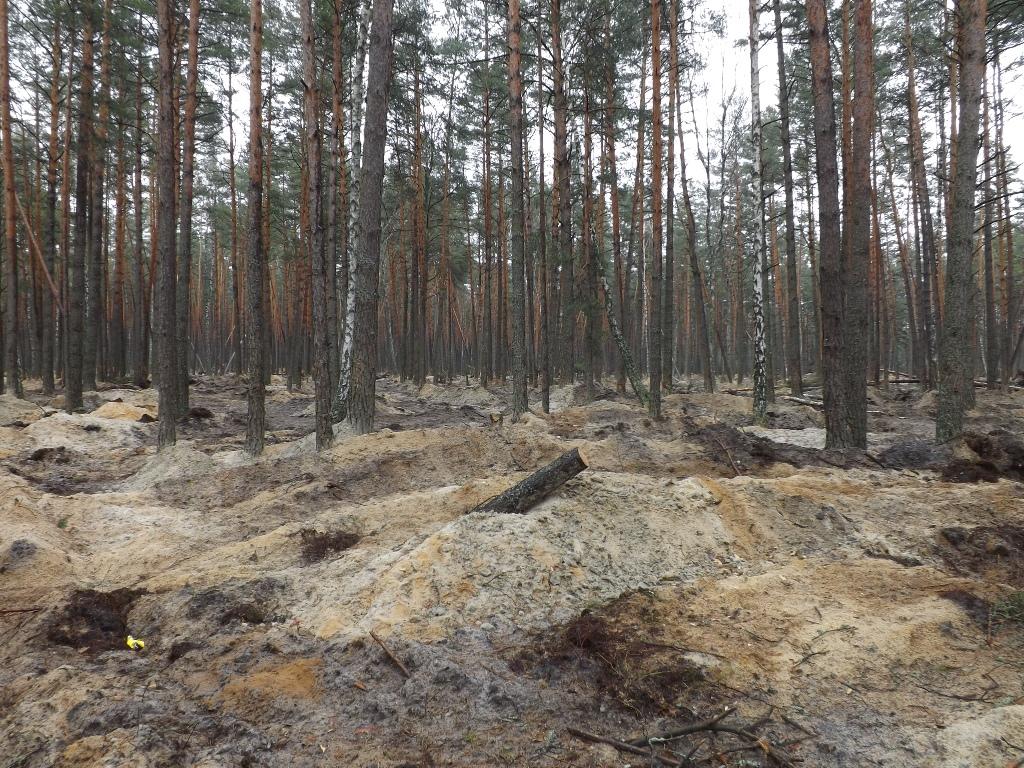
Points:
[823,608]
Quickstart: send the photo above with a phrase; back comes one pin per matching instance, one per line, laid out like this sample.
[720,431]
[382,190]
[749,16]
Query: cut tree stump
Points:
[524,495]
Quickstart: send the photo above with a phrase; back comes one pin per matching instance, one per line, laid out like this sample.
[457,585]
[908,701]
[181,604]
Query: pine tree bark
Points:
[321,278]
[166,300]
[255,348]
[563,257]
[654,317]
[613,183]
[668,278]
[954,353]
[992,351]
[855,268]
[76,264]
[118,332]
[829,260]
[140,317]
[364,359]
[919,180]
[184,266]
[545,296]
[793,342]
[518,242]
[50,245]
[11,331]
[95,324]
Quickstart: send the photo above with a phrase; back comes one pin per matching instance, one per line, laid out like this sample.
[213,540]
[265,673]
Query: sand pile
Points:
[873,606]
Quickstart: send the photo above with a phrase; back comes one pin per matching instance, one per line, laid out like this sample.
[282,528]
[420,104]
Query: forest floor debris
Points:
[342,608]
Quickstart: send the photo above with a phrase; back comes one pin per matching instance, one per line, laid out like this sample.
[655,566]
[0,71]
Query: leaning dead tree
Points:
[527,493]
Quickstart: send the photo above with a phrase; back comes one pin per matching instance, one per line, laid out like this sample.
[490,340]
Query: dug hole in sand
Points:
[849,610]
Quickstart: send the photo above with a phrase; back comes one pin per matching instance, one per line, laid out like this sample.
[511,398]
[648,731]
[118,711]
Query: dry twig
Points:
[395,660]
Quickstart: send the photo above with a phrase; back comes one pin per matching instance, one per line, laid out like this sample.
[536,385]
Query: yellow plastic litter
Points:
[135,644]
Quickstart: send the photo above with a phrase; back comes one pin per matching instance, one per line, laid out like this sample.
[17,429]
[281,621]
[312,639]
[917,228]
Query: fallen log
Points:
[804,401]
[524,495]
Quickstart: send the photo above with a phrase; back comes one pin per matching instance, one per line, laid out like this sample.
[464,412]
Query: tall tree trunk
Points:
[954,352]
[668,278]
[315,233]
[829,260]
[919,178]
[854,270]
[140,318]
[11,335]
[182,312]
[992,351]
[364,359]
[654,316]
[50,252]
[793,343]
[342,398]
[166,301]
[337,207]
[236,263]
[95,325]
[76,265]
[515,95]
[563,250]
[118,331]
[419,341]
[255,348]
[545,314]
[613,184]
[760,294]
[699,308]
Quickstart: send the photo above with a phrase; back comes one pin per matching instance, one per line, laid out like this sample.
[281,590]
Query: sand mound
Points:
[181,460]
[13,441]
[14,411]
[142,398]
[86,433]
[125,411]
[503,572]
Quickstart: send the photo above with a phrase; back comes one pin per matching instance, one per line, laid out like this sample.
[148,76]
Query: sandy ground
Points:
[851,609]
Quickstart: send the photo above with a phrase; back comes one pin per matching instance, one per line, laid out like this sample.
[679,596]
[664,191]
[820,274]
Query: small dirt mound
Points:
[317,545]
[93,621]
[58,455]
[250,602]
[1001,449]
[996,552]
[963,471]
[611,647]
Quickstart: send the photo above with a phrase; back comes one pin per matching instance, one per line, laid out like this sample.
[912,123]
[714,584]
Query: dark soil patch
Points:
[977,608]
[963,471]
[58,455]
[996,552]
[252,602]
[1001,449]
[616,649]
[93,621]
[317,545]
[915,454]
